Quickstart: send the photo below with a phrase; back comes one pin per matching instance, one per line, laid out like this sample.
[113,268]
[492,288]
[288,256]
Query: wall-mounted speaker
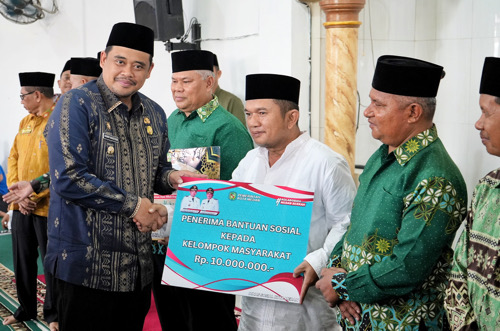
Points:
[164,17]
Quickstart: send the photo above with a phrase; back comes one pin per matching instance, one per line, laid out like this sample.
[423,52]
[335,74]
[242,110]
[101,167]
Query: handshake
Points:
[150,216]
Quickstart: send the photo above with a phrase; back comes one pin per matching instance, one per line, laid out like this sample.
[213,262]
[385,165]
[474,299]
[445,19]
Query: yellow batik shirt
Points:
[29,158]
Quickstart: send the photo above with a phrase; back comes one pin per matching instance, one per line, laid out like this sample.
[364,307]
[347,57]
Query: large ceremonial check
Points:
[248,242]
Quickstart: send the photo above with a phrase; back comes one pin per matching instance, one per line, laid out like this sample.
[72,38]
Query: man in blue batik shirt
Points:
[108,154]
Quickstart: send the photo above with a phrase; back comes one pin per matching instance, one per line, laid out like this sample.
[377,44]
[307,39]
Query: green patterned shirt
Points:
[473,295]
[211,125]
[397,249]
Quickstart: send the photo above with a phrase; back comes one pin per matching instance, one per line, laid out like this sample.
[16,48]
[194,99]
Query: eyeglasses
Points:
[25,94]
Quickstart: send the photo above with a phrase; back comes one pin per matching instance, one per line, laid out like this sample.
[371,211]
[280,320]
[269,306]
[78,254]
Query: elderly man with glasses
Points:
[29,159]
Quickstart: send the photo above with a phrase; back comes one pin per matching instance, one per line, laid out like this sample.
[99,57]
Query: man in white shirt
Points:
[191,201]
[210,205]
[286,156]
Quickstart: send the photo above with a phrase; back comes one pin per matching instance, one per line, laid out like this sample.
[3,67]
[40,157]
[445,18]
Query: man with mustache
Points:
[108,149]
[288,156]
[199,121]
[28,159]
[210,204]
[390,269]
[473,295]
[191,201]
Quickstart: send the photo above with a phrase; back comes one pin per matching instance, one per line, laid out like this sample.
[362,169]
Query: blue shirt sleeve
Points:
[70,146]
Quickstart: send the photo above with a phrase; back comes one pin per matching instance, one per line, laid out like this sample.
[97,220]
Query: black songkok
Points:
[37,79]
[85,66]
[216,62]
[134,36]
[490,79]
[67,66]
[192,60]
[271,86]
[407,76]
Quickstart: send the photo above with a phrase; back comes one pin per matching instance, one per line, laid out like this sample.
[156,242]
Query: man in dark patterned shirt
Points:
[108,155]
[473,294]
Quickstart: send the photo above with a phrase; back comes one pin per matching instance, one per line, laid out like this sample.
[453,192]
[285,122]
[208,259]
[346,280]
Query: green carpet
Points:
[8,298]
[6,253]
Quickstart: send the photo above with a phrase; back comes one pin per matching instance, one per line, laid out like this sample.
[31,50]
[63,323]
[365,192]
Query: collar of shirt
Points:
[412,147]
[56,97]
[111,100]
[289,150]
[49,111]
[204,111]
[493,178]
[45,114]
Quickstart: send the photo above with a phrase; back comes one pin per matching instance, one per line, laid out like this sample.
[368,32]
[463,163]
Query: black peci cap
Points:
[192,60]
[407,76]
[490,79]
[85,66]
[134,36]
[38,79]
[216,62]
[67,66]
[272,86]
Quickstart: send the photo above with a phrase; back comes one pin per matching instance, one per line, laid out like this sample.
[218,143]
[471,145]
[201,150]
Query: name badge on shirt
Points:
[110,137]
[27,130]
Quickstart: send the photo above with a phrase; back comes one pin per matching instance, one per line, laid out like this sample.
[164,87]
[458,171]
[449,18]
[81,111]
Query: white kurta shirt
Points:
[308,165]
[210,204]
[189,202]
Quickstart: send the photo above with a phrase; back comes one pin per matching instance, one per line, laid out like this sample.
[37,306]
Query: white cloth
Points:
[164,231]
[9,223]
[190,203]
[309,165]
[210,204]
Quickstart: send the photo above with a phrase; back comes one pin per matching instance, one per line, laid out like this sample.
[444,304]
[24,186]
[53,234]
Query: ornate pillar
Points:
[342,23]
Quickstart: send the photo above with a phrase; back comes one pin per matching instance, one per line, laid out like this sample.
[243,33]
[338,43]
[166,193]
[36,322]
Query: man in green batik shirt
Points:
[389,270]
[473,295]
[199,121]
